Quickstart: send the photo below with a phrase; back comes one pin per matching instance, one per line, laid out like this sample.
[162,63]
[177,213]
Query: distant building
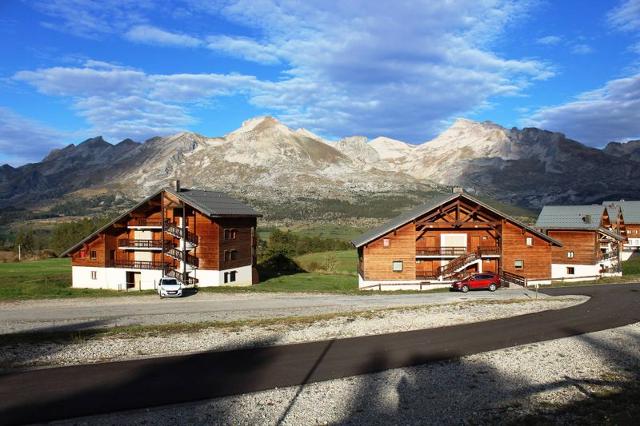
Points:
[591,240]
[449,236]
[201,238]
[630,211]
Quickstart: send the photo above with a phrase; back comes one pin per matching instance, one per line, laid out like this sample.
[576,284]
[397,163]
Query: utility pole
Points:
[19,253]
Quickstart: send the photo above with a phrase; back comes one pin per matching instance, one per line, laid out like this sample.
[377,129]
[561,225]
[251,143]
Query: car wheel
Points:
[492,287]
[464,289]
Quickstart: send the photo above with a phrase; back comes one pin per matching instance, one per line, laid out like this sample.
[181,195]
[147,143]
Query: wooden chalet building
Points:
[630,211]
[591,240]
[451,235]
[201,238]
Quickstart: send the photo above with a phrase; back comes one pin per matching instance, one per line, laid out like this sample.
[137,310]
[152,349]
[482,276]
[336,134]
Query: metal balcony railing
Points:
[138,264]
[176,231]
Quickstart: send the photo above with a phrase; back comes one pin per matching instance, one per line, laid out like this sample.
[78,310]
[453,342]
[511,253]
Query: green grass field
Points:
[340,262]
[44,279]
[631,266]
[328,231]
[306,282]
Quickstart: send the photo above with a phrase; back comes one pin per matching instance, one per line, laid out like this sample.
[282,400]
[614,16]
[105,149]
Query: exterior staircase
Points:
[184,279]
[188,241]
[458,264]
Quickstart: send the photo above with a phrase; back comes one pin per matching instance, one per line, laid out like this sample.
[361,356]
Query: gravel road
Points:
[435,314]
[81,313]
[492,387]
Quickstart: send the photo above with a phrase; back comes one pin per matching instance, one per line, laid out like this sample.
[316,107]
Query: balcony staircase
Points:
[180,252]
[458,264]
[182,278]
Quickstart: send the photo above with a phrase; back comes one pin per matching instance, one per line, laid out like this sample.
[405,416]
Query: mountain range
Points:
[297,174]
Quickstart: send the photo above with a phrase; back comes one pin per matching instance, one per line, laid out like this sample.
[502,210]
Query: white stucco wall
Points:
[401,285]
[112,278]
[213,278]
[559,271]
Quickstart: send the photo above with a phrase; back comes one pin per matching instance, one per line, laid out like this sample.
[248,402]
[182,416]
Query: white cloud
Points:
[581,49]
[244,47]
[148,34]
[23,140]
[599,116]
[550,40]
[625,17]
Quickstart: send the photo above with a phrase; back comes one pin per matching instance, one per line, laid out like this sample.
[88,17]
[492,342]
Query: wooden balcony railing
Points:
[137,264]
[149,244]
[457,251]
[183,256]
[141,221]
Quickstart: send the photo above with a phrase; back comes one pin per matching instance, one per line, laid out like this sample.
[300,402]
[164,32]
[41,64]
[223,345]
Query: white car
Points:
[169,287]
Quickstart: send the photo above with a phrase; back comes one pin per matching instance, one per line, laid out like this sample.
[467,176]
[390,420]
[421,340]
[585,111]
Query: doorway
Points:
[133,280]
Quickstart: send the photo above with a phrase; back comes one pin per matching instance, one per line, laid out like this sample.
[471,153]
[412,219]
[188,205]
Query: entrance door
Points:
[133,280]
[475,243]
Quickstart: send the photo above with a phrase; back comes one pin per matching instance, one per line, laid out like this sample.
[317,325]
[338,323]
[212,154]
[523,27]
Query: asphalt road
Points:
[58,393]
[83,313]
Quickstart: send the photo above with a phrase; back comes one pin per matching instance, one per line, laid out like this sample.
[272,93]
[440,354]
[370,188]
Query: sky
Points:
[75,69]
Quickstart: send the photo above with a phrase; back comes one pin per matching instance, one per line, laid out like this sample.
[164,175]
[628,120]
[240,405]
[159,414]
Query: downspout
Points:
[184,243]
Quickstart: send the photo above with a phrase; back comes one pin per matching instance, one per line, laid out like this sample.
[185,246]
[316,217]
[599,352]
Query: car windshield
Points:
[169,281]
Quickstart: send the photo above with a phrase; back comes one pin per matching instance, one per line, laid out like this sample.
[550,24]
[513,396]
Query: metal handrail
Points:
[176,231]
[138,264]
[184,279]
[183,256]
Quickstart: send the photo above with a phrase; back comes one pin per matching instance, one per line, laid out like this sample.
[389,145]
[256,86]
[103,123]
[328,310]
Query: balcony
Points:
[456,251]
[127,244]
[138,264]
[144,223]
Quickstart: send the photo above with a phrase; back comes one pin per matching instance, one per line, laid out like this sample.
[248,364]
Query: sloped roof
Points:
[430,205]
[587,217]
[210,203]
[214,204]
[630,210]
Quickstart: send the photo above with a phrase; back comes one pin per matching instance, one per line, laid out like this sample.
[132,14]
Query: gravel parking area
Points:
[82,350]
[86,313]
[548,381]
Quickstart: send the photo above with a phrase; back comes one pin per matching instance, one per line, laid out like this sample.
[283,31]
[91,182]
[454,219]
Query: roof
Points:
[430,205]
[214,204]
[611,234]
[210,203]
[630,210]
[587,217]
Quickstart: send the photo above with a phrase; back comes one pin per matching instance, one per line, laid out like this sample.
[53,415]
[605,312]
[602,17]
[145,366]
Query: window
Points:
[518,264]
[529,241]
[230,234]
[571,270]
[94,275]
[570,254]
[397,266]
[93,255]
[230,277]
[385,242]
[230,255]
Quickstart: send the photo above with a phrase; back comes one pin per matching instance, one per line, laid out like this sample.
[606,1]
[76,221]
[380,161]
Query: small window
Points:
[386,242]
[233,254]
[518,264]
[529,241]
[232,276]
[94,275]
[484,237]
[571,270]
[397,266]
[226,277]
[230,234]
[93,255]
[570,254]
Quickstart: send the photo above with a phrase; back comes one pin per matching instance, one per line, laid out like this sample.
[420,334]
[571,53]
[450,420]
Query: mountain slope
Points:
[630,149]
[297,174]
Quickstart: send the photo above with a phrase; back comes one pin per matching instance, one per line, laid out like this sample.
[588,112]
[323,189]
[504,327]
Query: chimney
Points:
[458,190]
[586,218]
[177,185]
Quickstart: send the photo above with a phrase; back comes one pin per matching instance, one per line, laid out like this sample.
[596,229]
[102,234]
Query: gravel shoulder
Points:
[439,313]
[86,313]
[574,380]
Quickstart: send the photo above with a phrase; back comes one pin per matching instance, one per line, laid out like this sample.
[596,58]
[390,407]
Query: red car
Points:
[480,281]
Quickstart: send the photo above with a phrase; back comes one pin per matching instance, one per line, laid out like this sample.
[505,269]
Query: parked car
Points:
[169,287]
[480,281]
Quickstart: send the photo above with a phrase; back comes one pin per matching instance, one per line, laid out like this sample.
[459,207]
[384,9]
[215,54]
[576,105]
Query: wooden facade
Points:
[168,234]
[452,238]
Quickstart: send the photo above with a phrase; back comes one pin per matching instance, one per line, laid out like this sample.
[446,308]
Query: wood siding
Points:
[583,244]
[536,258]
[378,260]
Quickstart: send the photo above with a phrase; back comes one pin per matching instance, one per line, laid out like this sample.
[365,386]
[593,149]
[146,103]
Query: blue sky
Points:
[74,69]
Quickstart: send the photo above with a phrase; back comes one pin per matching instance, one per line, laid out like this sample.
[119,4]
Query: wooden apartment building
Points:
[201,238]
[591,237]
[630,211]
[451,235]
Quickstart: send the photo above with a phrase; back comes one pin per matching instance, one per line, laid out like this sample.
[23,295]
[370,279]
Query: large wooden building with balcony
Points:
[449,236]
[591,237]
[201,238]
[630,211]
